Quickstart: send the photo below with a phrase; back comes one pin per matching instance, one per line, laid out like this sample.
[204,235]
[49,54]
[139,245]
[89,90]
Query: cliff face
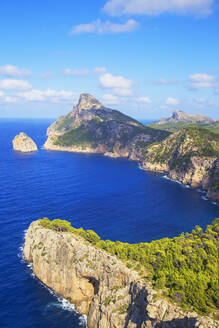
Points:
[91,127]
[23,143]
[189,156]
[100,286]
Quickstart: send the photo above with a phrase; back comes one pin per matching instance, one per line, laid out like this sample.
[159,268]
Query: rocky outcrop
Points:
[92,128]
[100,286]
[180,116]
[189,156]
[23,143]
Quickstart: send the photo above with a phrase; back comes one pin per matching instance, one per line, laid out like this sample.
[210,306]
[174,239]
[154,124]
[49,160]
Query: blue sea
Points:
[114,197]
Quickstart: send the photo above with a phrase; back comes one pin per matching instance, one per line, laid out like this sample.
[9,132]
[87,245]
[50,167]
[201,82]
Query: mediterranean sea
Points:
[114,197]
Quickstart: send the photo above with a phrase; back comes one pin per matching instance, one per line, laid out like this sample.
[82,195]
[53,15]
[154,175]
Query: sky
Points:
[145,58]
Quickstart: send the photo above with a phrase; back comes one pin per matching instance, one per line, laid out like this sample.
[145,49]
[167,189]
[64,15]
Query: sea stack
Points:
[23,143]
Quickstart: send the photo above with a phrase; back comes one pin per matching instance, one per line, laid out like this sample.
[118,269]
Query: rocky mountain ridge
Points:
[180,116]
[23,143]
[91,127]
[100,285]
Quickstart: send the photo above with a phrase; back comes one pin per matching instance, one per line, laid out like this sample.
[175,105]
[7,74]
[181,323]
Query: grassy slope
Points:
[184,267]
[173,127]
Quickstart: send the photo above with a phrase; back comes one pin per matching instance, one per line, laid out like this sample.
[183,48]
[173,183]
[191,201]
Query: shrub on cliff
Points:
[186,267]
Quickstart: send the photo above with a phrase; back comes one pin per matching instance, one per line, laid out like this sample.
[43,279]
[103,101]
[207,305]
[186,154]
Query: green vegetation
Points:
[178,149]
[173,127]
[184,267]
[74,137]
[98,131]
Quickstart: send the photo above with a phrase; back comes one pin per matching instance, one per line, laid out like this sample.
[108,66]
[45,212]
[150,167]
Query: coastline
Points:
[49,146]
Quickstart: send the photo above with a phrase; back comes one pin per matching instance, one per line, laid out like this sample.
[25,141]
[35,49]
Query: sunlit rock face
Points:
[23,143]
[100,285]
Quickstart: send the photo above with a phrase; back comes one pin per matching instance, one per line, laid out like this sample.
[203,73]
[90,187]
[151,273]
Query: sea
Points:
[114,197]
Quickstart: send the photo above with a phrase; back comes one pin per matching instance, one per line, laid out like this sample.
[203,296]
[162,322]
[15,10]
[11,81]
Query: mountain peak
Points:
[87,102]
[180,116]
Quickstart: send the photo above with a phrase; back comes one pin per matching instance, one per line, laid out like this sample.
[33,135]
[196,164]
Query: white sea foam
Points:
[61,302]
[204,198]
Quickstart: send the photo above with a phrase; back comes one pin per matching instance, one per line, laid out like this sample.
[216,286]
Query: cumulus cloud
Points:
[100,70]
[49,95]
[201,80]
[76,72]
[11,84]
[172,101]
[119,85]
[107,27]
[166,81]
[14,71]
[111,81]
[144,100]
[110,99]
[157,7]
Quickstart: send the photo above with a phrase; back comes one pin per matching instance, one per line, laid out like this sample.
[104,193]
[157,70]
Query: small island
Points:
[23,143]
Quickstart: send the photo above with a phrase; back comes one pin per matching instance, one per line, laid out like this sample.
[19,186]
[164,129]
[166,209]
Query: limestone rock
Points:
[100,286]
[93,128]
[23,143]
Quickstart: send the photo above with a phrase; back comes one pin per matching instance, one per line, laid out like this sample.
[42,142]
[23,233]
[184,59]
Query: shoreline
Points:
[115,156]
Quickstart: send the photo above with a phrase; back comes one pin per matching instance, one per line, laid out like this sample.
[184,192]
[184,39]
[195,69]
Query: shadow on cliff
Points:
[137,313]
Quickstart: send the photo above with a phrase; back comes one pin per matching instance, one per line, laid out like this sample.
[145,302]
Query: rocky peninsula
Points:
[23,143]
[189,155]
[92,128]
[98,283]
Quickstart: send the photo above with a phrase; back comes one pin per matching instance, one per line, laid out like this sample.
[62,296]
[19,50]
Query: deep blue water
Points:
[111,196]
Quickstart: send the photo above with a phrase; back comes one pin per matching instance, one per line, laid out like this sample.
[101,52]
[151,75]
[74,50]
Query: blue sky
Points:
[145,58]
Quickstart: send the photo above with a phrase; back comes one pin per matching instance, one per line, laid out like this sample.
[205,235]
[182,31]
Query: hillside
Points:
[128,285]
[180,120]
[190,156]
[91,127]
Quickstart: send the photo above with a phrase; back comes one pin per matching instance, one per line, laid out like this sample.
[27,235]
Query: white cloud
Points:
[110,99]
[144,100]
[100,27]
[76,72]
[172,101]
[100,70]
[47,75]
[49,95]
[201,80]
[200,85]
[166,82]
[157,7]
[119,85]
[11,84]
[201,77]
[123,92]
[7,98]
[111,81]
[14,71]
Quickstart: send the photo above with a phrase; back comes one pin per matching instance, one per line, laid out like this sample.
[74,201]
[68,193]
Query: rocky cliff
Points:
[91,127]
[100,286]
[189,156]
[23,143]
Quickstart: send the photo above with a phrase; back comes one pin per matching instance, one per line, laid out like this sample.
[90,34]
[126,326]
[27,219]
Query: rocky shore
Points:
[100,285]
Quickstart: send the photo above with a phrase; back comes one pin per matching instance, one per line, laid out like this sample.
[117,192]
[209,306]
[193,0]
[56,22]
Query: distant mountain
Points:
[180,116]
[92,128]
